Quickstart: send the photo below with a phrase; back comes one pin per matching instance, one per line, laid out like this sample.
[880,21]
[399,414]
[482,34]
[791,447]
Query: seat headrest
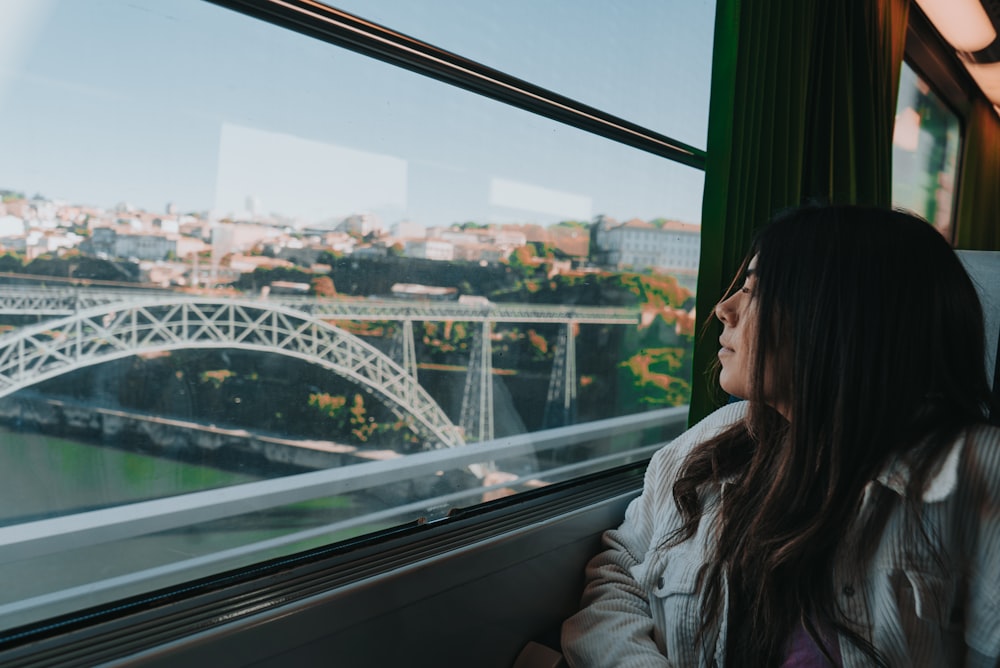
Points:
[984,269]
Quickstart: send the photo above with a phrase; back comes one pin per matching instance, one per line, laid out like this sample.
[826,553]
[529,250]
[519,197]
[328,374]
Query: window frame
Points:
[934,61]
[170,615]
[240,601]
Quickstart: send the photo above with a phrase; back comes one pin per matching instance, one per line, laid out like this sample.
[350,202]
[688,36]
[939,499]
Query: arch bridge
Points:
[110,331]
[477,411]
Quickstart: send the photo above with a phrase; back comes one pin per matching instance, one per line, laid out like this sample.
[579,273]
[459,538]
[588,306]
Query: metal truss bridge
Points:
[97,325]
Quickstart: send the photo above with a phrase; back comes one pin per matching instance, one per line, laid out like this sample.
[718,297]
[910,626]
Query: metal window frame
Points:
[170,614]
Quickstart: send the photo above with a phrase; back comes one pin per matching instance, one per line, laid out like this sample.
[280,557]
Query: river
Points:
[43,476]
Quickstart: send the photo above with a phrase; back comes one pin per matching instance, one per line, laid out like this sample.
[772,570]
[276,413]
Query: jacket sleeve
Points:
[615,626]
[982,629]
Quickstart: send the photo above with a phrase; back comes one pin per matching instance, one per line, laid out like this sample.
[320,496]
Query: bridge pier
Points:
[560,402]
[477,400]
[404,349]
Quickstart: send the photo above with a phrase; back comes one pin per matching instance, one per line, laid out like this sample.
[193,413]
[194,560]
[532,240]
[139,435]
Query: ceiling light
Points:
[963,23]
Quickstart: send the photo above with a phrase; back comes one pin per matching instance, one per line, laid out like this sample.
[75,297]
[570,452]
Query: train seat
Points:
[984,269]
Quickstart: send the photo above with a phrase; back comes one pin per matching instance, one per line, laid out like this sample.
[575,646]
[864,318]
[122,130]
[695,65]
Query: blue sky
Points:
[156,101]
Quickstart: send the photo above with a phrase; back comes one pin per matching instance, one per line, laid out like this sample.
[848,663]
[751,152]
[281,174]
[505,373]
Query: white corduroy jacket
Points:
[641,604]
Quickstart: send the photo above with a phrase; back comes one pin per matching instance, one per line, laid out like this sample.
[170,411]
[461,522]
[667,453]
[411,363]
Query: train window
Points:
[643,61]
[925,152]
[261,293]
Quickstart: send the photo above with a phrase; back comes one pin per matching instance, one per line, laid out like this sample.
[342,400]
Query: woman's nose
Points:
[726,311]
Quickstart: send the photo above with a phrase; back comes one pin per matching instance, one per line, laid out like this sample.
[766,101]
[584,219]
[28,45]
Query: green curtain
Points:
[978,220]
[803,104]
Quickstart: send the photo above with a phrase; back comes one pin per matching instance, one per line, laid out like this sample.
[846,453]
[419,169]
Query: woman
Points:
[847,513]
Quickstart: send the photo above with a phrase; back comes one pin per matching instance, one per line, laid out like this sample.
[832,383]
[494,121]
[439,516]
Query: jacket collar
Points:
[941,482]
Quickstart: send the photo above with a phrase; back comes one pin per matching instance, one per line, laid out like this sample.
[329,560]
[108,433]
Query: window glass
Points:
[647,62]
[924,152]
[259,293]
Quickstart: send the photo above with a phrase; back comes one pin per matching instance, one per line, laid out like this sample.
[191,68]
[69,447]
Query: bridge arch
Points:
[115,330]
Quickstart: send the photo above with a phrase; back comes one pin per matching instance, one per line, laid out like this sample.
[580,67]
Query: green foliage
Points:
[329,256]
[262,276]
[74,265]
[446,342]
[362,426]
[12,262]
[656,376]
[328,405]
[539,345]
[573,224]
[322,286]
[217,377]
[522,256]
[605,289]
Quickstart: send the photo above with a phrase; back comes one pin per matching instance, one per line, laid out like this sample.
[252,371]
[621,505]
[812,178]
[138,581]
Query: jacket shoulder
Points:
[669,458]
[981,463]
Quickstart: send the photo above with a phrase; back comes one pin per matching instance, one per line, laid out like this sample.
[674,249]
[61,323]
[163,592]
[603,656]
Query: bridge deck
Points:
[61,301]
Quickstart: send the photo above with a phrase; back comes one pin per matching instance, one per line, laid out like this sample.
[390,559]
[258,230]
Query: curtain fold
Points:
[978,219]
[803,104]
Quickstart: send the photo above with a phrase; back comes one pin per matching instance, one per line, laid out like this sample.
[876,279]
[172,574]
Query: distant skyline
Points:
[152,102]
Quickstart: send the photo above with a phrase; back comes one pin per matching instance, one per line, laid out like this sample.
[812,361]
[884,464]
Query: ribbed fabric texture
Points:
[920,607]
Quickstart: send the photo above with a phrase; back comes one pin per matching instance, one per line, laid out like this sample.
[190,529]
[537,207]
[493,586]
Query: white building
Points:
[362,223]
[145,246]
[430,249]
[112,242]
[638,245]
[509,238]
[11,226]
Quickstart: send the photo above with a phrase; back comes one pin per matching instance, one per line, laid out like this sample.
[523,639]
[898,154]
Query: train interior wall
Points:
[473,607]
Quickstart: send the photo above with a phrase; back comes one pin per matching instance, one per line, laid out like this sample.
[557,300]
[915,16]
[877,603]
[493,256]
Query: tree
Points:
[329,256]
[10,195]
[322,286]
[362,426]
[521,260]
[330,406]
[12,263]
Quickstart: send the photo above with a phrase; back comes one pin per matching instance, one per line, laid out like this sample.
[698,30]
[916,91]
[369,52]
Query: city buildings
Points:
[206,250]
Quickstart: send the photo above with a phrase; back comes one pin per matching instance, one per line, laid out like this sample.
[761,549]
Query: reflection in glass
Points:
[646,62]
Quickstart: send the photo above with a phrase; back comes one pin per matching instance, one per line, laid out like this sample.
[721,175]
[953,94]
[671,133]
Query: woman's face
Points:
[738,315]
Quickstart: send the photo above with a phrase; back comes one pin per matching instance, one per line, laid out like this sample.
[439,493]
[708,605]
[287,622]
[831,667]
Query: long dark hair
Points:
[869,323]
